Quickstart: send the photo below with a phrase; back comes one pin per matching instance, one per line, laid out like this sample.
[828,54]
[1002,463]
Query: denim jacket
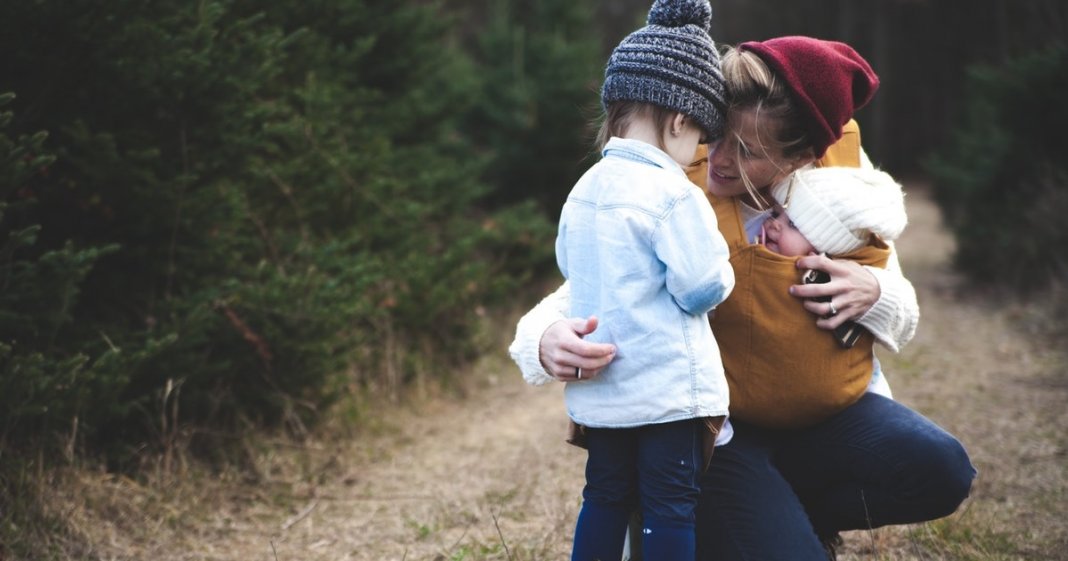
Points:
[639,244]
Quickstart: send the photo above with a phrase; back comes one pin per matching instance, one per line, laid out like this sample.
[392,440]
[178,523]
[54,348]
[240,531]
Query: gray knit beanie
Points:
[672,63]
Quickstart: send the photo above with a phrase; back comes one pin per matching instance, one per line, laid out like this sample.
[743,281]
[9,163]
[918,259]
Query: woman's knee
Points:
[948,472]
[959,475]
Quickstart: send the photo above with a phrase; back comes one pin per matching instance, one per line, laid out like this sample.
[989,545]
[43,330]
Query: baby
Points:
[836,211]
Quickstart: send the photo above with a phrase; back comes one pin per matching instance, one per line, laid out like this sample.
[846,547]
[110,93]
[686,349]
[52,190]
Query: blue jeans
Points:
[655,467]
[771,495]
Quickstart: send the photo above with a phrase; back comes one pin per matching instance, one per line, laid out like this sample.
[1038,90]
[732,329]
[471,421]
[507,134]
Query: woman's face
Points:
[746,148]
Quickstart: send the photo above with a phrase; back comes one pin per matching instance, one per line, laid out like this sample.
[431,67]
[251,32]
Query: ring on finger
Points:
[834,312]
[578,373]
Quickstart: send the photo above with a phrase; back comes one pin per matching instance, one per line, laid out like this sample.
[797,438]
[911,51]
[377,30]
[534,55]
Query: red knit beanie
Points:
[829,80]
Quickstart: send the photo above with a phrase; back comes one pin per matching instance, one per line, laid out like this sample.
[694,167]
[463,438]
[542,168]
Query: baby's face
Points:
[782,237]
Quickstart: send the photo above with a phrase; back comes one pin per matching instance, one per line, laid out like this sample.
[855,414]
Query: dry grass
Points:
[489,477]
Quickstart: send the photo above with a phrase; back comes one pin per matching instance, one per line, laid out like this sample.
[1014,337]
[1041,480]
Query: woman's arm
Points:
[882,300]
[549,346]
[894,317]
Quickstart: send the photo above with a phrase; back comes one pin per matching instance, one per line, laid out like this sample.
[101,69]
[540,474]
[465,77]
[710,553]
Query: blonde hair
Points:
[620,115]
[752,86]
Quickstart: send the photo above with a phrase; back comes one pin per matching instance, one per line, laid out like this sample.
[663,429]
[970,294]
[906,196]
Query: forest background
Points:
[223,218]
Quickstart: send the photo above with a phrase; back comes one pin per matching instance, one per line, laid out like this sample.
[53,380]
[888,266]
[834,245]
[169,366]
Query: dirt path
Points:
[470,474]
[491,478]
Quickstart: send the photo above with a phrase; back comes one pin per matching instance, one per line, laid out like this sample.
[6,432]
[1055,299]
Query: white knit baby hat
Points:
[838,208]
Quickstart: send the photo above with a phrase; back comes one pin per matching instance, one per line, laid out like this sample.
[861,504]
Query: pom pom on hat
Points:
[681,12]
[837,209]
[829,80]
[672,63]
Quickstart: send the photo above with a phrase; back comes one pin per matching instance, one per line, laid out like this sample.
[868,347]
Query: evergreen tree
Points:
[539,101]
[46,384]
[1001,183]
[285,205]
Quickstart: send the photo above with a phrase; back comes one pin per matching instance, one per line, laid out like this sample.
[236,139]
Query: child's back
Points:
[640,246]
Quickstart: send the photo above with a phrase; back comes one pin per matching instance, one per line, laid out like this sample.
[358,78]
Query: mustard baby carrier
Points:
[783,371]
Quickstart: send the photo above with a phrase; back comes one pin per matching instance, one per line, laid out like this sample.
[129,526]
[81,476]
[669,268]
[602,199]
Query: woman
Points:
[785,494]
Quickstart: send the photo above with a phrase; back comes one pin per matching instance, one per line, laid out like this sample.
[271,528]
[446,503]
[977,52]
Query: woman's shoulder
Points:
[846,151]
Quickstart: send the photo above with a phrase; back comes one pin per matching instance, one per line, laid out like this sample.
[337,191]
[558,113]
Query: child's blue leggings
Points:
[655,467]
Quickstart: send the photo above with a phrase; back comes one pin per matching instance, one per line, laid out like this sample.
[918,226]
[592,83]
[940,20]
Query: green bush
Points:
[44,379]
[250,212]
[1002,184]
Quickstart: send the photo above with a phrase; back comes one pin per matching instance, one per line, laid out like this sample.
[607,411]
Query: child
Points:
[846,213]
[640,246]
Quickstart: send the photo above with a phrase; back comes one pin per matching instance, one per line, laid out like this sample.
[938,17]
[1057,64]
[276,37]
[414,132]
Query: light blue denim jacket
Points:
[640,246]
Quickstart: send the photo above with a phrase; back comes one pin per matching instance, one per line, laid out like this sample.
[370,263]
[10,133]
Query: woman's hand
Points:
[566,356]
[853,290]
